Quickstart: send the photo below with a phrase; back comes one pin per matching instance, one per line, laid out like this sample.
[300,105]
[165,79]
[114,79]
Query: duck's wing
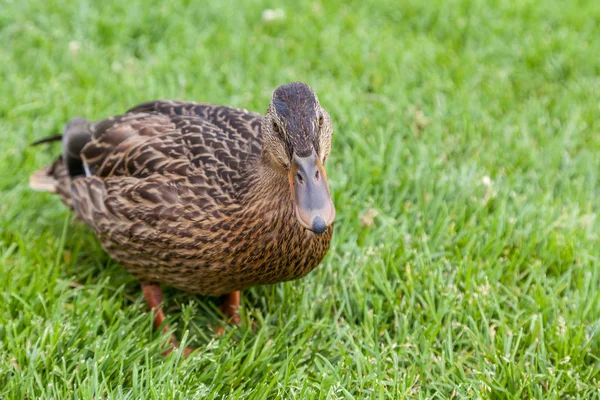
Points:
[210,136]
[160,165]
[242,127]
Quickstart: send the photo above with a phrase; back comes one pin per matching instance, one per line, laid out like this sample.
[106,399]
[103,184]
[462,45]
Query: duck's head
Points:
[297,135]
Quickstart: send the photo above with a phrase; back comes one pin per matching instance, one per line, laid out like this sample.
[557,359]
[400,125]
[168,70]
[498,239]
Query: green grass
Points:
[471,128]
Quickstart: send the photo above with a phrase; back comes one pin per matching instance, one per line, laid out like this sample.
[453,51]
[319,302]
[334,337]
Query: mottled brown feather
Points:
[177,194]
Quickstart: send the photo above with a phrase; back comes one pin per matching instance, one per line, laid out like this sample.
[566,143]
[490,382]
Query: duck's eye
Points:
[320,119]
[276,128]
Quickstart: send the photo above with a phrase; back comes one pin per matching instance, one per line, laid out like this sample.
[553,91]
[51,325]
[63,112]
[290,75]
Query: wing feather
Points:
[161,165]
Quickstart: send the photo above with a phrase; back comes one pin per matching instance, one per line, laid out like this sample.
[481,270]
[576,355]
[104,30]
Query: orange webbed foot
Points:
[153,296]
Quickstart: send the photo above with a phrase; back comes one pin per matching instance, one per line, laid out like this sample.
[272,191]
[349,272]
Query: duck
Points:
[204,198]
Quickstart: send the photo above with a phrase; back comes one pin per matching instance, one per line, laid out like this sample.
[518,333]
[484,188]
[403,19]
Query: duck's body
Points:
[204,198]
[177,194]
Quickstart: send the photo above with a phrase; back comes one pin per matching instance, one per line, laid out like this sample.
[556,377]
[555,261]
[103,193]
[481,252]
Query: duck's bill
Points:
[310,191]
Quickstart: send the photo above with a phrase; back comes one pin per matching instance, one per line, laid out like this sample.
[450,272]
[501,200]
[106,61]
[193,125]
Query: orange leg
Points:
[153,296]
[230,306]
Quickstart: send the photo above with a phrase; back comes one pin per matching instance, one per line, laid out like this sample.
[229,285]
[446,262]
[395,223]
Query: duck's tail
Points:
[48,139]
[42,180]
[56,177]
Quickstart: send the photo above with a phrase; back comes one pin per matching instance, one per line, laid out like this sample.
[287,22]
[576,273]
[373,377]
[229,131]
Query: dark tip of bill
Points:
[318,225]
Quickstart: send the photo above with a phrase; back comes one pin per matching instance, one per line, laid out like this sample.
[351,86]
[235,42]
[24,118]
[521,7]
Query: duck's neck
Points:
[266,183]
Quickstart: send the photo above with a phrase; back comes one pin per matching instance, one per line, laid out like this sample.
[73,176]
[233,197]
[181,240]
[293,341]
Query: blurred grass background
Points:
[464,172]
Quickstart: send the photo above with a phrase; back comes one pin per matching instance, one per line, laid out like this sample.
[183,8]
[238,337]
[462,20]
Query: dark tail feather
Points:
[48,139]
[57,177]
[77,135]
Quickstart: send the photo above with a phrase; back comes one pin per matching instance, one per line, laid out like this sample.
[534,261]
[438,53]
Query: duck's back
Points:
[165,136]
[206,145]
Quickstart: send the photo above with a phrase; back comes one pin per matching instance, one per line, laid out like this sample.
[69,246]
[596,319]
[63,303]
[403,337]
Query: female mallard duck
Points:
[208,199]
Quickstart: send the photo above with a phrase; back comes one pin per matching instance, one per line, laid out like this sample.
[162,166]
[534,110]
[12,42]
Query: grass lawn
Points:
[465,173]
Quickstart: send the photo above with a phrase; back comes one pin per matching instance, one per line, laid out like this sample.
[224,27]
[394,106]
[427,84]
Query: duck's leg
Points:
[230,305]
[153,296]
